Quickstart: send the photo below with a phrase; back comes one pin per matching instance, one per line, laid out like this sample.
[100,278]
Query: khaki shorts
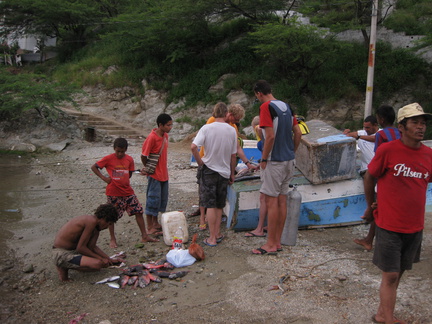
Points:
[68,259]
[276,178]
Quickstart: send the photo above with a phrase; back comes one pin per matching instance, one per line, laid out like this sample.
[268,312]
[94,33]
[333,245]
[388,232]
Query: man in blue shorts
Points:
[216,168]
[403,169]
[281,139]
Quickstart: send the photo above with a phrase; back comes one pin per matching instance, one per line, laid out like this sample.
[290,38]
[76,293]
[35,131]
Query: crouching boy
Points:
[75,243]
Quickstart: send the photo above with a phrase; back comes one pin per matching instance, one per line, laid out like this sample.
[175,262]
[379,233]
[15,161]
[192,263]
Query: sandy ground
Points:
[325,278]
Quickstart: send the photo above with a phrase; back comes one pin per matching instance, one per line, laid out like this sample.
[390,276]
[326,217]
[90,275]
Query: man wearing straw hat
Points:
[403,169]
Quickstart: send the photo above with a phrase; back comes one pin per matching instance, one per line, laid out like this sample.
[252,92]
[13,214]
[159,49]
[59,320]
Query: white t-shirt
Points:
[367,150]
[220,142]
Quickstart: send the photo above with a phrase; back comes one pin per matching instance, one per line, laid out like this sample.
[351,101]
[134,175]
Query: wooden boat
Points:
[326,202]
[339,203]
[326,177]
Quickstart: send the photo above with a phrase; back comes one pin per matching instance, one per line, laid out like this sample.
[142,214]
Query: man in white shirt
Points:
[216,168]
[365,141]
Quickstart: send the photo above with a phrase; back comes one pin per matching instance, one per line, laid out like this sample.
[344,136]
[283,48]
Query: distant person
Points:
[120,167]
[402,170]
[157,187]
[281,139]
[235,114]
[259,231]
[258,132]
[386,117]
[216,168]
[75,243]
[18,60]
[365,141]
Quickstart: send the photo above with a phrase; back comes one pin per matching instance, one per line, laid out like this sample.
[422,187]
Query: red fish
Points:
[124,281]
[153,277]
[160,261]
[168,266]
[143,281]
[132,280]
[153,266]
[136,284]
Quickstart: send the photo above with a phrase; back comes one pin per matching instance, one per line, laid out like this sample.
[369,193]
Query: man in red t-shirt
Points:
[403,169]
[119,192]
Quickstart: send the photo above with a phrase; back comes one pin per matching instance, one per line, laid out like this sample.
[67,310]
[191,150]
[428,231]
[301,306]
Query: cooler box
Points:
[326,154]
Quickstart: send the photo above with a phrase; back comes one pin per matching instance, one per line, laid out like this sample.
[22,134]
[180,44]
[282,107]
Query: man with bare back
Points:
[75,243]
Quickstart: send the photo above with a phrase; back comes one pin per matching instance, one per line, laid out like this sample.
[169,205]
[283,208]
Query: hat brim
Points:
[425,115]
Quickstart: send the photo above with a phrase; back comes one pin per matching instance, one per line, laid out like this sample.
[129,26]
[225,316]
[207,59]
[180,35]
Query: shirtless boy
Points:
[75,243]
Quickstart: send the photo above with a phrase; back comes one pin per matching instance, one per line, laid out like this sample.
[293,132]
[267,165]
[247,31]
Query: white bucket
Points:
[171,221]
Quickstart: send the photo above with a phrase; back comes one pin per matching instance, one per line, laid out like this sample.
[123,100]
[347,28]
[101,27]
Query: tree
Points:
[72,22]
[296,51]
[25,91]
[343,15]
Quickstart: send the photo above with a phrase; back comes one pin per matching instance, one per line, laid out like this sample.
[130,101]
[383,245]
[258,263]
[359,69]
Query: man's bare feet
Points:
[149,239]
[379,319]
[154,231]
[367,219]
[113,244]
[63,274]
[366,245]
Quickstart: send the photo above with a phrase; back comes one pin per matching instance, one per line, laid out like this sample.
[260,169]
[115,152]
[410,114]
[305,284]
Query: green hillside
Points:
[184,46]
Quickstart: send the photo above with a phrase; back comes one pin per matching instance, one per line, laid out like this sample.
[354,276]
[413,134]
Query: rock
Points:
[24,147]
[239,97]
[219,86]
[58,147]
[28,268]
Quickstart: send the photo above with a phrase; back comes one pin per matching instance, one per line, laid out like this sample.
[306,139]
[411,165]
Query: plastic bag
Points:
[180,258]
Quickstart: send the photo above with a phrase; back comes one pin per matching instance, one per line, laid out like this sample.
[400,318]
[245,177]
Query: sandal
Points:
[203,227]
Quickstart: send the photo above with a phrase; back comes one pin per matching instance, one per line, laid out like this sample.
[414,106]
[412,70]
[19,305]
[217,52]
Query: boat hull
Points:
[338,203]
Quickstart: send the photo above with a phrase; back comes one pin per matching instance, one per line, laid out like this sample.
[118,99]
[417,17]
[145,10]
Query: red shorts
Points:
[129,204]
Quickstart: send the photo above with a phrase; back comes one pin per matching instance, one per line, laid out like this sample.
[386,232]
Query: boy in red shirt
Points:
[157,188]
[119,192]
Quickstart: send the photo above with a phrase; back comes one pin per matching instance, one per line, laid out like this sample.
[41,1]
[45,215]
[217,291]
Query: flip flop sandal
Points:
[208,244]
[250,234]
[261,251]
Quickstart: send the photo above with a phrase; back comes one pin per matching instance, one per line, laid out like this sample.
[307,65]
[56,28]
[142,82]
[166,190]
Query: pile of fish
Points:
[141,275]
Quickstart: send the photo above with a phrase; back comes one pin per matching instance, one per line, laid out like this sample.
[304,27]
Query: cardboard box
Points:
[326,154]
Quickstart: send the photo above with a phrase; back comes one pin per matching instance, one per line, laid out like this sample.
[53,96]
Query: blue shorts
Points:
[157,197]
